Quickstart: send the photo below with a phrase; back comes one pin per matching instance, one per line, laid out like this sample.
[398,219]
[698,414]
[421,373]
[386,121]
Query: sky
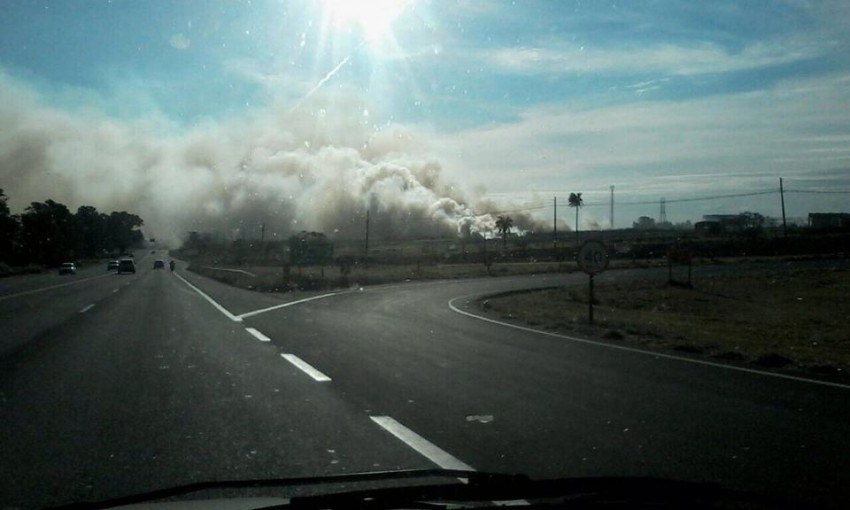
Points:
[227,115]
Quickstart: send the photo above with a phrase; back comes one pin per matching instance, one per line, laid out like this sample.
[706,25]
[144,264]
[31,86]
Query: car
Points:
[159,264]
[126,266]
[68,268]
[112,265]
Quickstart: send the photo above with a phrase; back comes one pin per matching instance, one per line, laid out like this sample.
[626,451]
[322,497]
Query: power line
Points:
[554,203]
[819,191]
[531,208]
[694,199]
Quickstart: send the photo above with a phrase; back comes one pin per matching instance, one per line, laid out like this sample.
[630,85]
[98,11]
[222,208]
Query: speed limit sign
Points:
[592,257]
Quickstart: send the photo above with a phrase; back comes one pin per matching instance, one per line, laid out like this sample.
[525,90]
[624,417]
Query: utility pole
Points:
[367,235]
[612,208]
[782,197]
[262,231]
[555,224]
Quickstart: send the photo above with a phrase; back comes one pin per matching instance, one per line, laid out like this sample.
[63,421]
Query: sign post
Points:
[592,258]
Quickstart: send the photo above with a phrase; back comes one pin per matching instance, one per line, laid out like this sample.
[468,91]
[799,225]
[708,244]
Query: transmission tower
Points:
[662,216]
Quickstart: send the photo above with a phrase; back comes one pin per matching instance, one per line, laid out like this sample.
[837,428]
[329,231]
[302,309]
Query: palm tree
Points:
[504,224]
[576,201]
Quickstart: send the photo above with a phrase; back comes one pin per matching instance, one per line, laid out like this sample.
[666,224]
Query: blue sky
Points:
[515,102]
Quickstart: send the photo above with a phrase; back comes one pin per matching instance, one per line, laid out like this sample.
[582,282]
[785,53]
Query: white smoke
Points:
[320,167]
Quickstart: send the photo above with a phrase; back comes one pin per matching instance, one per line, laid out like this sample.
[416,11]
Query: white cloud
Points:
[664,58]
[787,130]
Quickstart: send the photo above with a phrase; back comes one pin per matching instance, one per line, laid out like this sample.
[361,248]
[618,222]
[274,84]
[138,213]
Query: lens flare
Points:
[373,17]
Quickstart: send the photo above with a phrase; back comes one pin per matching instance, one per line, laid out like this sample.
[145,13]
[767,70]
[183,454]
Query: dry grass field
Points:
[772,316]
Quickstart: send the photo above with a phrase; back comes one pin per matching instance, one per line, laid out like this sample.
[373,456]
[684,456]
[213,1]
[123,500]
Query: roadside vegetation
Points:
[47,234]
[774,314]
[308,261]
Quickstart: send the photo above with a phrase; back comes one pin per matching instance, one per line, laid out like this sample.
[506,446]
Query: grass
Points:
[268,278]
[273,279]
[770,317]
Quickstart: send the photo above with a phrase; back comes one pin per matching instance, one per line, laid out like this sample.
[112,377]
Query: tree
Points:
[9,227]
[91,231]
[504,225]
[122,231]
[576,201]
[310,249]
[752,223]
[48,232]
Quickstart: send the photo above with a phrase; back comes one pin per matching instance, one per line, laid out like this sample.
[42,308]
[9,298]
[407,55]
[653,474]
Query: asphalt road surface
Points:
[114,384]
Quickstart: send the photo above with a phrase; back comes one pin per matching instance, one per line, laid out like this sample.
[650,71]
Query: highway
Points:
[114,384]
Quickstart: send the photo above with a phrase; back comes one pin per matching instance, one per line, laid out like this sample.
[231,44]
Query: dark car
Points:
[126,266]
[159,264]
[112,265]
[68,268]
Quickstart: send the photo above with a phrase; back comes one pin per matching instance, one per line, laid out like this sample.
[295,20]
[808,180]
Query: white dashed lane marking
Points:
[424,447]
[306,367]
[259,336]
[86,308]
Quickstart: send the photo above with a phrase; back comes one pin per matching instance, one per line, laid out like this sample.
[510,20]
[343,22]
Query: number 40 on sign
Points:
[592,258]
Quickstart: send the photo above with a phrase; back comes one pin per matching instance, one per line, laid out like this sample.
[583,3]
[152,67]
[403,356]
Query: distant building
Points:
[644,223]
[824,221]
[727,223]
[310,249]
[708,228]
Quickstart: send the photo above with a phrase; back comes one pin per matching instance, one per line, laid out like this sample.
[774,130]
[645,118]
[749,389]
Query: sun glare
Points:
[373,17]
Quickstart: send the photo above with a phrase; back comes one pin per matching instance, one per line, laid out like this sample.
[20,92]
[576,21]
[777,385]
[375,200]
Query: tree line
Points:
[48,233]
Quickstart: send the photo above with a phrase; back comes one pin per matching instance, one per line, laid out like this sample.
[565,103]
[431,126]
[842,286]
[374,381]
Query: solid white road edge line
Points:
[211,300]
[259,336]
[284,305]
[306,367]
[424,447]
[641,351]
[42,289]
[86,308]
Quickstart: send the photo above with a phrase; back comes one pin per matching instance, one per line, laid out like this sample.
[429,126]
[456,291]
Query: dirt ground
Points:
[776,316]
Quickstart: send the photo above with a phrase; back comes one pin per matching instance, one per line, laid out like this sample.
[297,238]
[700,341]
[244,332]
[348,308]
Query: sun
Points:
[373,17]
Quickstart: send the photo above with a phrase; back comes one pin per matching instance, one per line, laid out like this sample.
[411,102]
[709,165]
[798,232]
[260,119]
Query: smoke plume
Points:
[320,167]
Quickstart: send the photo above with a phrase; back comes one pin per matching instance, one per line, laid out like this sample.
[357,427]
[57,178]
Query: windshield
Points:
[556,238]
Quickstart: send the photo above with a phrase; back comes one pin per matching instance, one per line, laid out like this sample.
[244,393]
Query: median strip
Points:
[306,367]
